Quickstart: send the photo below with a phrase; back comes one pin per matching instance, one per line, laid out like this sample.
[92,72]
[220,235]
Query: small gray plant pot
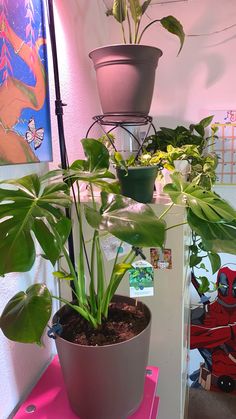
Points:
[125,78]
[105,382]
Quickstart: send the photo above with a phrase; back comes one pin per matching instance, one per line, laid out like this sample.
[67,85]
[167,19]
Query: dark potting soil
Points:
[124,322]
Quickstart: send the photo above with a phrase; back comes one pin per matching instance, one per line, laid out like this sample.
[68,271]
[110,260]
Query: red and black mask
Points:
[226,283]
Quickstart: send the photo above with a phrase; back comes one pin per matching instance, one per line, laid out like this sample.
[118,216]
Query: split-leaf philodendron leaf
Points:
[27,314]
[208,215]
[96,153]
[35,210]
[216,237]
[132,222]
[203,203]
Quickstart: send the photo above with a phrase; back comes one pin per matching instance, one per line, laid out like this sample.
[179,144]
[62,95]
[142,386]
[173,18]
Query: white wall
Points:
[202,78]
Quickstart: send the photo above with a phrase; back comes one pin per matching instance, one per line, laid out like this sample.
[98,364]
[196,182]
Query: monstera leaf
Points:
[26,315]
[95,168]
[96,153]
[130,221]
[31,209]
[205,204]
[216,237]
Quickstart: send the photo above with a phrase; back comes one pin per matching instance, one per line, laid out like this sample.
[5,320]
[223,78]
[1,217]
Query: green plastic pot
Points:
[138,183]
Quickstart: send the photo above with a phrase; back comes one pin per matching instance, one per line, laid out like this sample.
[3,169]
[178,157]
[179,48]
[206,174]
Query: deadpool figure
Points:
[215,336]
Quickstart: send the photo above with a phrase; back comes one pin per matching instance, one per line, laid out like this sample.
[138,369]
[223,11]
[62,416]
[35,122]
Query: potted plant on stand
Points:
[137,175]
[126,72]
[136,172]
[185,150]
[32,209]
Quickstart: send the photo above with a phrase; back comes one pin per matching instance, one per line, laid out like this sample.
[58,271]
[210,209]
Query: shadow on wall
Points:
[198,67]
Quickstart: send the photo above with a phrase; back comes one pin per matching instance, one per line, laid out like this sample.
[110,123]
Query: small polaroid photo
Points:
[161,258]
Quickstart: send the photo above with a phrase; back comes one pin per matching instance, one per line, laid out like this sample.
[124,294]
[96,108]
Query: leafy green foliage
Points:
[94,169]
[198,253]
[204,204]
[26,314]
[134,9]
[217,237]
[108,140]
[204,284]
[190,144]
[203,170]
[96,153]
[32,208]
[145,159]
[195,134]
[119,10]
[133,223]
[172,25]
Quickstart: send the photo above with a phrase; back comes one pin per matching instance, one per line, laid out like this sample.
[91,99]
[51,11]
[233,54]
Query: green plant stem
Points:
[146,27]
[91,285]
[72,270]
[123,32]
[81,273]
[166,211]
[100,278]
[116,258]
[137,31]
[176,225]
[78,218]
[100,267]
[114,283]
[69,263]
[129,26]
[82,311]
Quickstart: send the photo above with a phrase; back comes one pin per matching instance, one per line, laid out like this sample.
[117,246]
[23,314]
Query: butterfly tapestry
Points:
[33,134]
[24,84]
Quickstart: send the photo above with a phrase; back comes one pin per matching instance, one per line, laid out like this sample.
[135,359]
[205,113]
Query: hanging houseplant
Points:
[126,73]
[32,211]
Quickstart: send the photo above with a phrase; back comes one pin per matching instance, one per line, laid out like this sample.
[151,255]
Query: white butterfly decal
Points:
[33,134]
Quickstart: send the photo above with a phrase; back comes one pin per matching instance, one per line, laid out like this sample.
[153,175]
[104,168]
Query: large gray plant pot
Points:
[105,382]
[125,77]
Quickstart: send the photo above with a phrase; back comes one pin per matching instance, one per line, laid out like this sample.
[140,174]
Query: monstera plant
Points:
[32,212]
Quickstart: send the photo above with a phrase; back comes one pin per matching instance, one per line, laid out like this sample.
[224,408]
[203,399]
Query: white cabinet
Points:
[170,318]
